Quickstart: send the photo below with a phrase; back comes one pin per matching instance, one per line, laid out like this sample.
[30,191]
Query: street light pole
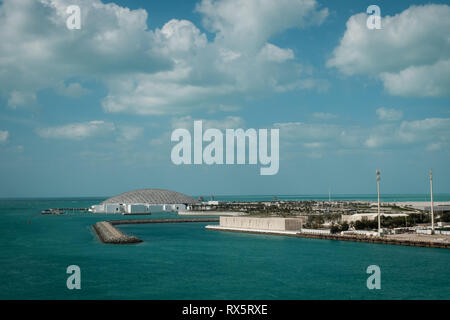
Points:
[378,191]
[432,204]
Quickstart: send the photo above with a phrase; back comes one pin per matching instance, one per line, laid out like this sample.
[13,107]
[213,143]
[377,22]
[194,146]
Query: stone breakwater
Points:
[108,233]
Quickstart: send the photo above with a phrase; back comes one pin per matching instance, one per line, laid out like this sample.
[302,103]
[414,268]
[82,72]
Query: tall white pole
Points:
[432,204]
[378,191]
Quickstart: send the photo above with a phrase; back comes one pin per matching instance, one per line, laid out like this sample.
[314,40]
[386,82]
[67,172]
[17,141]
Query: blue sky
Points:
[89,112]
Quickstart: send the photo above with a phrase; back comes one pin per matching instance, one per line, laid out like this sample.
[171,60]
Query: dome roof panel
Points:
[151,196]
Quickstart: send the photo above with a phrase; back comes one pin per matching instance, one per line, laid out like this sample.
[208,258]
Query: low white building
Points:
[137,209]
[316,231]
[369,216]
[361,232]
[263,223]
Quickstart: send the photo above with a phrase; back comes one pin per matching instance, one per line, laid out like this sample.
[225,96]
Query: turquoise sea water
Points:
[185,261]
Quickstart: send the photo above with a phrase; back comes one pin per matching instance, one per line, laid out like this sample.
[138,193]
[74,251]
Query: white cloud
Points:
[169,70]
[73,90]
[38,51]
[308,131]
[314,155]
[434,146]
[423,81]
[323,116]
[4,135]
[427,131]
[129,133]
[77,131]
[250,23]
[205,70]
[375,141]
[313,145]
[21,99]
[151,95]
[421,130]
[19,149]
[410,54]
[431,133]
[272,53]
[229,122]
[180,36]
[156,142]
[187,122]
[389,114]
[229,108]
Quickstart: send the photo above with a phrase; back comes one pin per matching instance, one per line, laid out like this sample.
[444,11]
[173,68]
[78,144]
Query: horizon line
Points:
[227,195]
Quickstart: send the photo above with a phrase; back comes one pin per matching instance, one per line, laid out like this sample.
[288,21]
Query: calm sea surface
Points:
[185,261]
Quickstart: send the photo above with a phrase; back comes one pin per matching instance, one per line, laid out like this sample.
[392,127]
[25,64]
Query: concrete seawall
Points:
[354,238]
[211,213]
[108,233]
[379,240]
[142,221]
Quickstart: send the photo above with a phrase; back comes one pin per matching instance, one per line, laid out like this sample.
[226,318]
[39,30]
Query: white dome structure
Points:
[145,201]
[151,196]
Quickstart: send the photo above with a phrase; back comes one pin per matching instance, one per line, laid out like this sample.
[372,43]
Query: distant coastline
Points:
[391,198]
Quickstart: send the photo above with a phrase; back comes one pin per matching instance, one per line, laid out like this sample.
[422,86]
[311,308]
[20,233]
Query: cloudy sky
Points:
[90,112]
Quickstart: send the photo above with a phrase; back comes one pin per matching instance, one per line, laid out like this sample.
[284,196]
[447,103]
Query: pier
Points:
[59,211]
[108,233]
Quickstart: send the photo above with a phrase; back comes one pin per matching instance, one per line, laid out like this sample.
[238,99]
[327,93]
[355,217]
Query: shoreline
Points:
[416,204]
[353,238]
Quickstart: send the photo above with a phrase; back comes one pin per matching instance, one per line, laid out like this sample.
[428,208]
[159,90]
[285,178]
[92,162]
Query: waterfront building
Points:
[263,223]
[371,216]
[145,201]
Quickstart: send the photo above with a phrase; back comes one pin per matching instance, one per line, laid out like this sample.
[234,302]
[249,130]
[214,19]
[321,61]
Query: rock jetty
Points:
[108,233]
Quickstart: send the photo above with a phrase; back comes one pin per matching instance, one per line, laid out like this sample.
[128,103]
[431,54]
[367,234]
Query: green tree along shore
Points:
[317,221]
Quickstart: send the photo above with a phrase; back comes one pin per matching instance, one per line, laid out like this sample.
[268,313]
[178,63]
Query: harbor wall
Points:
[211,213]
